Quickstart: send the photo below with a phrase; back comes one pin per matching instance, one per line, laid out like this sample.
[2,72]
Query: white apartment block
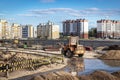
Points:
[4,29]
[48,31]
[77,27]
[108,28]
[16,31]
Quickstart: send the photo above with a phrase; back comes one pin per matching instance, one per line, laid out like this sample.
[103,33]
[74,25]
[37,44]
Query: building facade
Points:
[77,27]
[48,31]
[108,28]
[4,30]
[27,31]
[16,31]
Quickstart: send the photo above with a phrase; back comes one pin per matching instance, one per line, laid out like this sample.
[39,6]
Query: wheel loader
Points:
[73,48]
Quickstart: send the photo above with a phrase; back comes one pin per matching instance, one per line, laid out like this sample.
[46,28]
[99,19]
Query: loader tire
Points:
[69,54]
[80,55]
[63,52]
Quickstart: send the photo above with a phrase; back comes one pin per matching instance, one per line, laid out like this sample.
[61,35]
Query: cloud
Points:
[54,10]
[44,11]
[75,14]
[89,12]
[47,1]
[28,15]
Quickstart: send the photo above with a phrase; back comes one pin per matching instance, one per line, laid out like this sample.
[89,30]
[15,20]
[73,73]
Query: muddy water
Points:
[85,66]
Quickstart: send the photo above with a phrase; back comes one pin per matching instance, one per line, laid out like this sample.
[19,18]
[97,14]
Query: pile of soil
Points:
[106,48]
[101,75]
[111,54]
[55,76]
[117,74]
[113,47]
[61,75]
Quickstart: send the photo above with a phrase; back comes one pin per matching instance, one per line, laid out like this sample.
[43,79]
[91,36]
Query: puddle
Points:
[87,66]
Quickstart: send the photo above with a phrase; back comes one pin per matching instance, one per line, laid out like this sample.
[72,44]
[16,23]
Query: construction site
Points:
[53,60]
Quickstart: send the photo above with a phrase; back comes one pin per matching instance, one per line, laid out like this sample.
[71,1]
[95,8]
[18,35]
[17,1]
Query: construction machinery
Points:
[15,43]
[73,48]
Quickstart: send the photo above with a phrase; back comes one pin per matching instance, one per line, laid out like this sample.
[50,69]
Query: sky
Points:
[35,12]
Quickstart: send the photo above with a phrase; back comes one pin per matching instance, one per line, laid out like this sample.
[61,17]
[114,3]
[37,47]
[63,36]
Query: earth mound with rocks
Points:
[111,54]
[101,75]
[61,75]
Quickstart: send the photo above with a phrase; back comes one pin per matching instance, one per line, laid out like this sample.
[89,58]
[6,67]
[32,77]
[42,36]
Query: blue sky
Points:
[40,11]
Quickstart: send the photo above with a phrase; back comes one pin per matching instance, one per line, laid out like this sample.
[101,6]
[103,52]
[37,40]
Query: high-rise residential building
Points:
[77,27]
[108,28]
[41,30]
[27,31]
[48,31]
[4,29]
[16,31]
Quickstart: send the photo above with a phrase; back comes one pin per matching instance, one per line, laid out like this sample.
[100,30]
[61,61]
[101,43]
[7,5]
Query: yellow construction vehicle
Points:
[15,43]
[73,48]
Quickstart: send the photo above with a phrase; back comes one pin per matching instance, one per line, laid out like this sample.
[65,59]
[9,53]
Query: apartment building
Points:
[16,31]
[4,29]
[108,28]
[78,27]
[48,31]
[27,31]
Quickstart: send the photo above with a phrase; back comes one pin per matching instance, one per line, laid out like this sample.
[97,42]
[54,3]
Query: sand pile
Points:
[112,54]
[61,75]
[101,75]
[97,75]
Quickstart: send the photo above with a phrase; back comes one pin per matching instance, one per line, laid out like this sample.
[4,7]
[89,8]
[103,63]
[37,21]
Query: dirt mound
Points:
[114,47]
[106,48]
[99,75]
[55,76]
[112,54]
[117,74]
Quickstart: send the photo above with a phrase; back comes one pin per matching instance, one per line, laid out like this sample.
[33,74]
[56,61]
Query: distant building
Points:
[108,29]
[4,29]
[16,31]
[27,31]
[77,27]
[48,31]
